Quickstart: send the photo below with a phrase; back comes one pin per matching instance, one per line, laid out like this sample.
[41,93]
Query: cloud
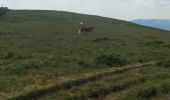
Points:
[162,2]
[146,2]
[120,9]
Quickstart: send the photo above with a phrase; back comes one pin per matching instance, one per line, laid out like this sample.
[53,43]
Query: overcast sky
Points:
[119,9]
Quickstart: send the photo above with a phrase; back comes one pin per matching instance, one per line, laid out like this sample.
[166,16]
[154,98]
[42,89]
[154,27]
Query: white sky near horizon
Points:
[119,9]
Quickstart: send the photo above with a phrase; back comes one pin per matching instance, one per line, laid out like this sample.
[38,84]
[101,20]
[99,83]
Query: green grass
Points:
[101,90]
[157,82]
[142,85]
[41,48]
[106,75]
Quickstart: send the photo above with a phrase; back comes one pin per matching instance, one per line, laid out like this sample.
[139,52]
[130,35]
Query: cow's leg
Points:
[80,32]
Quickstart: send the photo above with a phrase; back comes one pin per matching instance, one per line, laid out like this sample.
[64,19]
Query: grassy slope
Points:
[40,48]
[157,84]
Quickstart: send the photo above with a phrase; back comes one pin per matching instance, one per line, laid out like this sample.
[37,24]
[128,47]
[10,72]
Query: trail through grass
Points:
[101,77]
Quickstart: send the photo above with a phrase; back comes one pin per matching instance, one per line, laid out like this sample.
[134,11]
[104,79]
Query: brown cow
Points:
[86,29]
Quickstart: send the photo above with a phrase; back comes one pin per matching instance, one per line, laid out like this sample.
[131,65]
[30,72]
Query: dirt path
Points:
[168,97]
[86,85]
[37,95]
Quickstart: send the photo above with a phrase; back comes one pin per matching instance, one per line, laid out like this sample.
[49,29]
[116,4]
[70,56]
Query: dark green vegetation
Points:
[164,63]
[3,10]
[39,49]
[110,60]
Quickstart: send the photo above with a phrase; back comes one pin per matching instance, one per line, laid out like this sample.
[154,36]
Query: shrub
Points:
[110,60]
[5,56]
[167,46]
[14,56]
[22,67]
[147,92]
[164,63]
[160,55]
[3,10]
[2,87]
[101,39]
[83,63]
[155,43]
[165,86]
[141,60]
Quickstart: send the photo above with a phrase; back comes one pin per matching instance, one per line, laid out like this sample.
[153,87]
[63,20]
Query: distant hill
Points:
[156,23]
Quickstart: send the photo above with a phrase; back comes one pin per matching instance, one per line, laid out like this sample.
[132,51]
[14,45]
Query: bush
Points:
[101,39]
[110,60]
[164,63]
[5,56]
[83,63]
[2,87]
[3,10]
[147,92]
[154,43]
[14,56]
[22,68]
[165,86]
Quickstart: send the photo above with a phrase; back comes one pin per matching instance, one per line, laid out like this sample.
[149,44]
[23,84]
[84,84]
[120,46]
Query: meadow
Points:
[40,49]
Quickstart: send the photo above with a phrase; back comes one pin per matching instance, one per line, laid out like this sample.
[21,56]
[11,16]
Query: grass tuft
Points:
[164,63]
[110,60]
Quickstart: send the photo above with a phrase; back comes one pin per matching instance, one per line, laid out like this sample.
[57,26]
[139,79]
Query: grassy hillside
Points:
[39,49]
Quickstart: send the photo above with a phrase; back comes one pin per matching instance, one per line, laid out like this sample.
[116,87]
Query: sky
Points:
[119,9]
